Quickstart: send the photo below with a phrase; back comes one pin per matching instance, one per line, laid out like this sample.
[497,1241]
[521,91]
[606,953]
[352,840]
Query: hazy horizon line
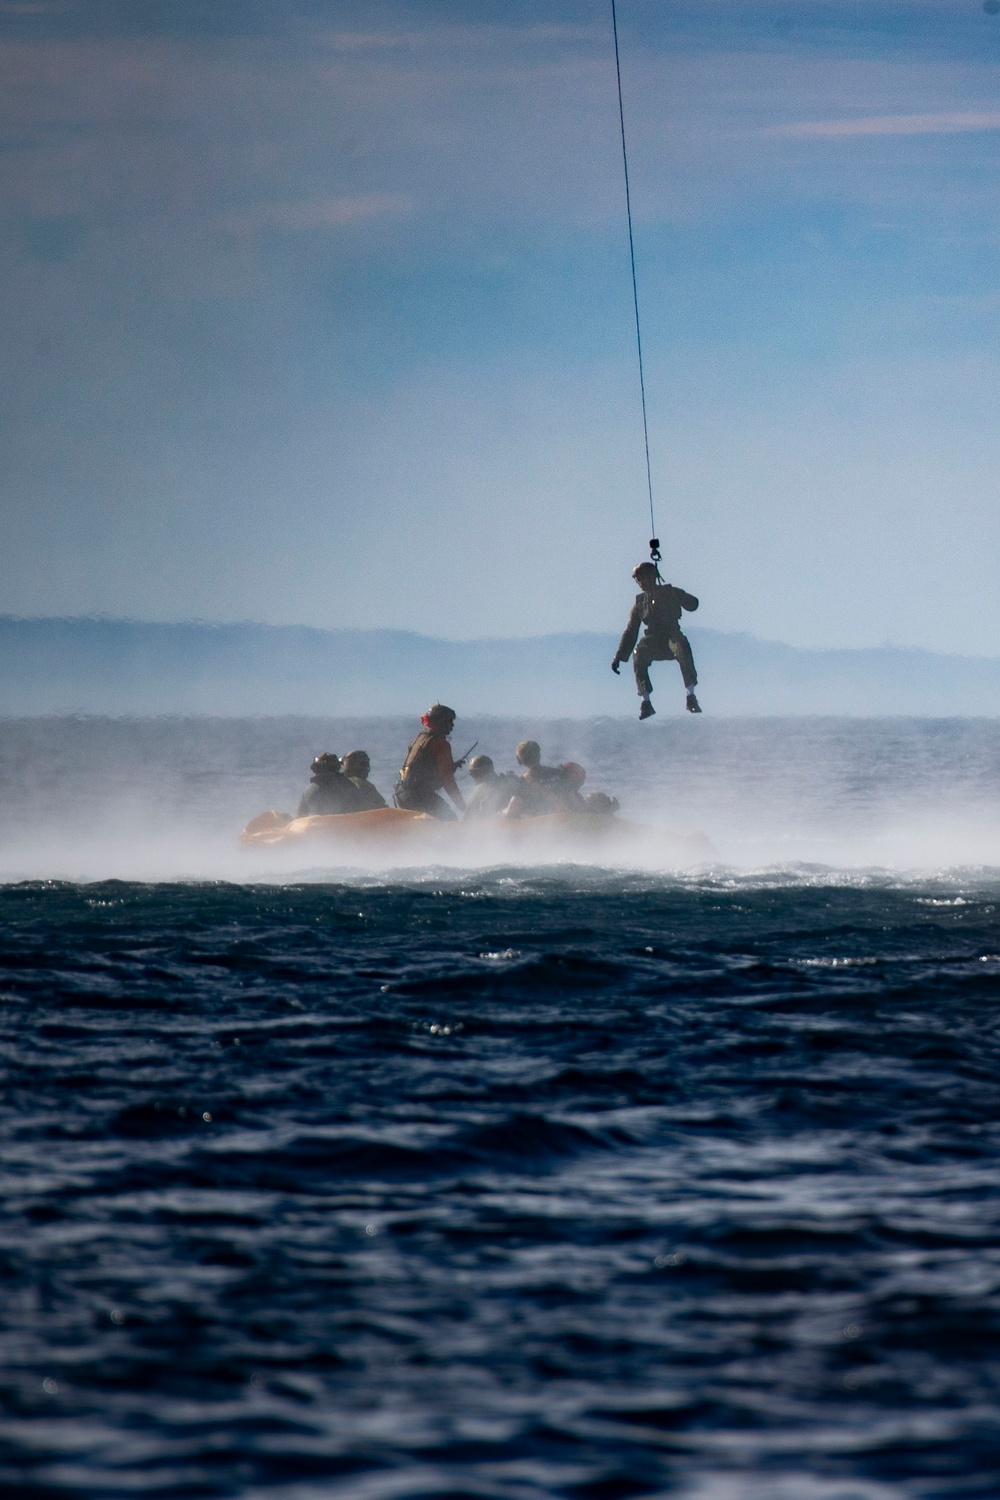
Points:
[485,640]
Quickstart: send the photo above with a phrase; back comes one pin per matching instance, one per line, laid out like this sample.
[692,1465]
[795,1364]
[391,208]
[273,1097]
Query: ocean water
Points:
[507,1182]
[165,797]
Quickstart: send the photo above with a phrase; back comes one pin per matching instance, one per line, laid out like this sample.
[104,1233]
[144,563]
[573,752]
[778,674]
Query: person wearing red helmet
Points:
[547,789]
[573,778]
[429,768]
[658,608]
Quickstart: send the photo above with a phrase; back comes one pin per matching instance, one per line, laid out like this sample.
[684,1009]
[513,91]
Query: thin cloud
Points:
[478,36]
[316,213]
[370,41]
[931,124]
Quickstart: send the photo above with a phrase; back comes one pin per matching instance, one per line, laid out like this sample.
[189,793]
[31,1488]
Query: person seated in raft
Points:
[329,790]
[540,789]
[573,799]
[658,607]
[357,767]
[492,792]
[568,790]
[429,769]
[545,789]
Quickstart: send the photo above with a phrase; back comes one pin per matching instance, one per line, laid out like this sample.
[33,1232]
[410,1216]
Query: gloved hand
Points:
[615,665]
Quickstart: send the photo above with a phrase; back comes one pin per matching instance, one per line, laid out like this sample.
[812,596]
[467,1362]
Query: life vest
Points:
[420,776]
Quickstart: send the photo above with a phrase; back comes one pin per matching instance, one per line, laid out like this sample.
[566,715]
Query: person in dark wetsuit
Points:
[429,769]
[658,607]
[357,766]
[329,790]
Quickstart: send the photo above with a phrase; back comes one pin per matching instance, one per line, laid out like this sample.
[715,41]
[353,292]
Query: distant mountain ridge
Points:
[126,667]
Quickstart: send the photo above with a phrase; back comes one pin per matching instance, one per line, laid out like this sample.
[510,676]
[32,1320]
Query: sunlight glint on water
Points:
[511,1182]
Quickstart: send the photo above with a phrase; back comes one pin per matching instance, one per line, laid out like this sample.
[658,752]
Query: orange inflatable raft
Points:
[391,829]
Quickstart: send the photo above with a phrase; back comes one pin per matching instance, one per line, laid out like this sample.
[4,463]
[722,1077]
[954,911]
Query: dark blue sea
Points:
[505,1182]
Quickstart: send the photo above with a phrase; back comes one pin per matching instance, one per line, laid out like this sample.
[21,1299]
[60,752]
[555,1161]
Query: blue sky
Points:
[321,313]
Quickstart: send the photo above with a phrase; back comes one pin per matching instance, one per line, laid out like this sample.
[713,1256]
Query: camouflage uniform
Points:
[328,793]
[369,797]
[660,612]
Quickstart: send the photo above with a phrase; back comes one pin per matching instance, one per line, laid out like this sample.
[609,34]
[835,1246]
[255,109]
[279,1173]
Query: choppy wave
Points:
[511,1184]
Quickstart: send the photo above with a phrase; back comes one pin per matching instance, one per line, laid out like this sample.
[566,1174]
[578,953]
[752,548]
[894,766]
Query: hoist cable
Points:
[653,544]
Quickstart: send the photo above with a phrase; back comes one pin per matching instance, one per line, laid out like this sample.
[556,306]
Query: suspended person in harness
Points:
[658,607]
[429,769]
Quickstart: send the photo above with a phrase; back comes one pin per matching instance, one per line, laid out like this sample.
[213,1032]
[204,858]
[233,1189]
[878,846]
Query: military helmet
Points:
[357,763]
[480,766]
[643,569]
[439,713]
[326,764]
